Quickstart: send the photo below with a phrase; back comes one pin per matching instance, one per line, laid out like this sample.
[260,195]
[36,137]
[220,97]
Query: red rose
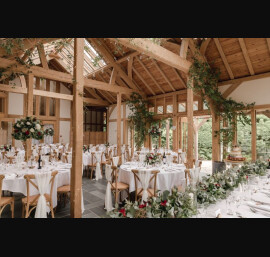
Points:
[39,133]
[217,185]
[246,177]
[163,203]
[141,206]
[123,211]
[16,130]
[27,132]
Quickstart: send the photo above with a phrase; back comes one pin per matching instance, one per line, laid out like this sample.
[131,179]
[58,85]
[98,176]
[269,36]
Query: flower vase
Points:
[26,150]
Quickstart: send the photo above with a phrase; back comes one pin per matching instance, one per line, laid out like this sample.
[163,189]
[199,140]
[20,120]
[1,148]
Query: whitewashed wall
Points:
[64,131]
[257,91]
[16,105]
[113,125]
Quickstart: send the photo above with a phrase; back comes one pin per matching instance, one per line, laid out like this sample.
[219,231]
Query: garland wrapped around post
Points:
[26,129]
[205,84]
[139,118]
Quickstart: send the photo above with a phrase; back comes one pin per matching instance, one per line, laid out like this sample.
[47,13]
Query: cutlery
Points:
[260,212]
[261,203]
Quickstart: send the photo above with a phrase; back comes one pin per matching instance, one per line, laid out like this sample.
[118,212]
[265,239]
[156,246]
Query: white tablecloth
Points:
[168,177]
[15,182]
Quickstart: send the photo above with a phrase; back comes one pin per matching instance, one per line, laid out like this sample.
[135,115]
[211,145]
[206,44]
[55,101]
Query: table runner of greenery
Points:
[177,204]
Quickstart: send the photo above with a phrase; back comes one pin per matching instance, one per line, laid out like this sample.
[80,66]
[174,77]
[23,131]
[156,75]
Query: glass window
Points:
[160,109]
[169,109]
[205,107]
[52,106]
[182,107]
[195,106]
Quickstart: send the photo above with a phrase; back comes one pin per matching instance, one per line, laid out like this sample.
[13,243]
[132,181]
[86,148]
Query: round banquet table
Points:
[14,179]
[167,178]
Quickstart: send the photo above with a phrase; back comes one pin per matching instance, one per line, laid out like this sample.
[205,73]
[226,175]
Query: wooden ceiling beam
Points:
[26,44]
[204,46]
[246,56]
[150,75]
[268,43]
[119,61]
[163,75]
[230,90]
[223,57]
[42,56]
[155,51]
[179,77]
[144,82]
[107,55]
[249,78]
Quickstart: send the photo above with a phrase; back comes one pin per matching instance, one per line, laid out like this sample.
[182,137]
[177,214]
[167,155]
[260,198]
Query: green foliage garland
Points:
[139,118]
[205,83]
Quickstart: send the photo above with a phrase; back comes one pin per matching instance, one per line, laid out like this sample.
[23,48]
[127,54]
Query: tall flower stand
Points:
[27,149]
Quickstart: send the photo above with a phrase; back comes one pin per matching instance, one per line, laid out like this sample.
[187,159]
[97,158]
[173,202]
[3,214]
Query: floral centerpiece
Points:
[5,147]
[85,148]
[27,128]
[172,204]
[49,132]
[152,159]
[154,131]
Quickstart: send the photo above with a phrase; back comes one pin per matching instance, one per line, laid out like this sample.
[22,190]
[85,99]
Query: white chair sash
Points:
[183,157]
[144,178]
[115,160]
[43,181]
[108,196]
[123,158]
[98,169]
[197,163]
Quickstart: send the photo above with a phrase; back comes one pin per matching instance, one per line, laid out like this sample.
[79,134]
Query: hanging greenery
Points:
[139,118]
[204,81]
[13,45]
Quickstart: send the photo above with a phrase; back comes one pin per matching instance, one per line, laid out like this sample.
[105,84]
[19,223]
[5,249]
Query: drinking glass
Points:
[201,210]
[229,204]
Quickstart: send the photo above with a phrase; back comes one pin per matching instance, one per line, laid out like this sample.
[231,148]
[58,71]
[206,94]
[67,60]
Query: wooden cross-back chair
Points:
[175,159]
[127,155]
[117,187]
[104,161]
[92,166]
[10,159]
[31,201]
[5,201]
[187,176]
[199,163]
[3,155]
[151,191]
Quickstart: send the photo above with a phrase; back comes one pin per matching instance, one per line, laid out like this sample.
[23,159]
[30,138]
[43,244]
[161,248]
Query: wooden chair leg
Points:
[52,212]
[23,210]
[12,209]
